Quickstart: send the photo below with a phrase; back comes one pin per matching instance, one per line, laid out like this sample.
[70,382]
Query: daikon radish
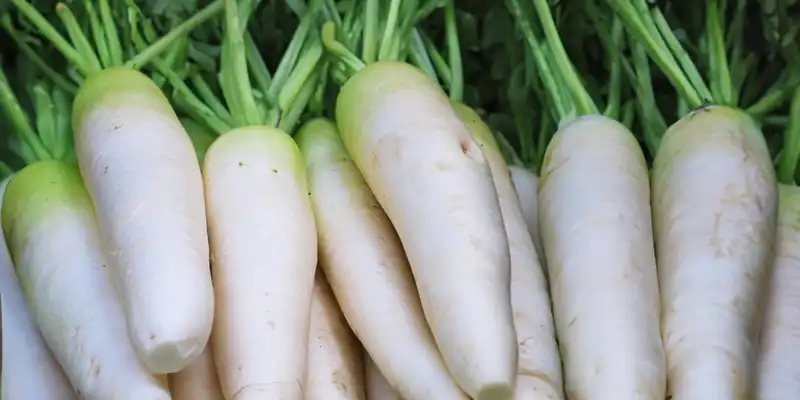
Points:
[261,226]
[142,175]
[596,228]
[29,368]
[714,199]
[53,239]
[539,368]
[433,182]
[364,262]
[264,256]
[335,362]
[779,359]
[526,184]
[714,227]
[599,251]
[198,381]
[378,388]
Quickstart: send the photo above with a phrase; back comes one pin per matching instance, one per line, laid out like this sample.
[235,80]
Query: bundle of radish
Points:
[434,183]
[539,365]
[143,178]
[261,226]
[29,368]
[714,212]
[599,247]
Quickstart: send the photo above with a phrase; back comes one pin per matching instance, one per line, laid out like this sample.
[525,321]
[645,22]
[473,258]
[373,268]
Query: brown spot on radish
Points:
[152,336]
[471,150]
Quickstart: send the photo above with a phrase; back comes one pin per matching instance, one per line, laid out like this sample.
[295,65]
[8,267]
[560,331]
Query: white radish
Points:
[526,184]
[29,369]
[714,213]
[52,235]
[264,255]
[142,174]
[595,220]
[433,182]
[198,381]
[377,387]
[539,368]
[367,269]
[335,361]
[778,375]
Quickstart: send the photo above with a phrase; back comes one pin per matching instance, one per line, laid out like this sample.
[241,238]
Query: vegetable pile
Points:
[387,199]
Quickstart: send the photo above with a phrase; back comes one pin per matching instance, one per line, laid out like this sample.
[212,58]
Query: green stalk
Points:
[614,53]
[454,53]
[291,54]
[206,94]
[235,78]
[338,50]
[384,52]
[679,53]
[51,34]
[155,49]
[22,126]
[790,155]
[98,34]
[45,113]
[369,51]
[549,79]
[111,35]
[637,25]
[260,73]
[438,61]
[305,68]
[583,102]
[421,58]
[721,82]
[295,110]
[34,57]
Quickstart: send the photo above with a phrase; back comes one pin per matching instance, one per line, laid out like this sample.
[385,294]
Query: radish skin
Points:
[526,183]
[335,366]
[539,368]
[53,238]
[142,174]
[779,362]
[29,368]
[378,388]
[198,381]
[433,182]
[368,271]
[264,255]
[594,215]
[714,213]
